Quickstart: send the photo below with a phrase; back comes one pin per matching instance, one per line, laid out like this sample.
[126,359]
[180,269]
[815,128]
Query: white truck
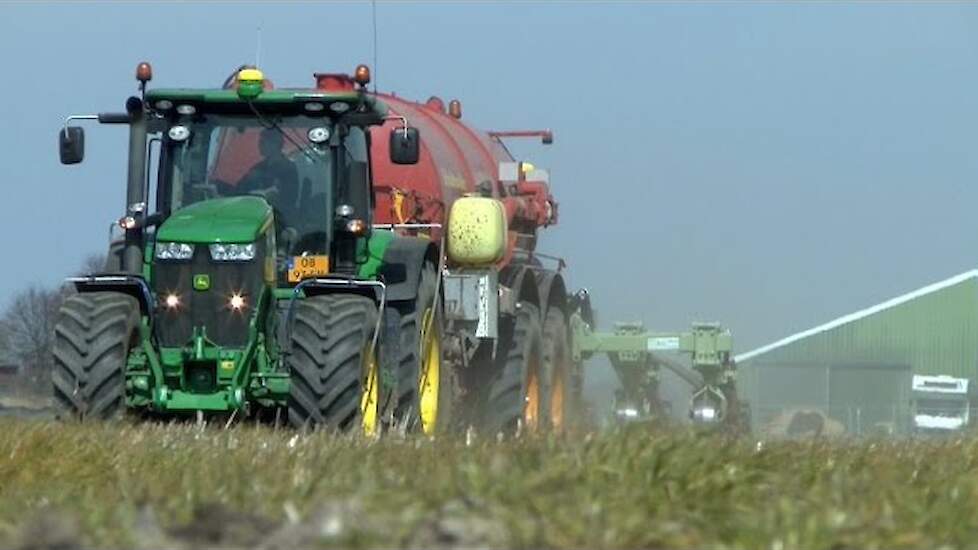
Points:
[939,403]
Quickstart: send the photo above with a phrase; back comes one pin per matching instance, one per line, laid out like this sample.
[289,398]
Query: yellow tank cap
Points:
[477,231]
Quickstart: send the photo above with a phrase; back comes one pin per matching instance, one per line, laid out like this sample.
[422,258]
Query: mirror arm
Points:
[113,118]
[78,117]
[103,118]
[404,122]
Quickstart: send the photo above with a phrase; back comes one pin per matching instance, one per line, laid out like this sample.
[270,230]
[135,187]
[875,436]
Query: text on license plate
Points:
[304,267]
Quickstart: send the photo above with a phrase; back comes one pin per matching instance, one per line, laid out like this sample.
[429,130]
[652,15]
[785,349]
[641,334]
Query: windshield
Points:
[227,156]
[942,407]
[272,157]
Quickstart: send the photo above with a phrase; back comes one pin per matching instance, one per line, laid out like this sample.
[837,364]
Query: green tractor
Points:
[248,279]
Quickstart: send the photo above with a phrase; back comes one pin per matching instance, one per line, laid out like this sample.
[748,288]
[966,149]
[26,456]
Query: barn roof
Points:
[852,317]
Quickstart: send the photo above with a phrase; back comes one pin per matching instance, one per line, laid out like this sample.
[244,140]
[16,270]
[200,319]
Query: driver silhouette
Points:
[274,171]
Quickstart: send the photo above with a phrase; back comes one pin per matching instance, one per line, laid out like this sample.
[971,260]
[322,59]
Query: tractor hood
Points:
[226,220]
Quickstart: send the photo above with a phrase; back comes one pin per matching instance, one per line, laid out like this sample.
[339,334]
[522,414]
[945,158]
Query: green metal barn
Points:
[857,369]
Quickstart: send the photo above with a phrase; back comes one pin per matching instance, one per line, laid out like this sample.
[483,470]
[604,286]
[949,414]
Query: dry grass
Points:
[113,485]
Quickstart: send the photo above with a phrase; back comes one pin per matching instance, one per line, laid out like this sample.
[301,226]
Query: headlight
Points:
[237,302]
[174,251]
[233,252]
[318,134]
[178,133]
[705,414]
[627,413]
[172,301]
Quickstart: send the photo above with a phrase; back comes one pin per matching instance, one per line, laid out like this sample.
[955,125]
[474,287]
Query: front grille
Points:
[207,308]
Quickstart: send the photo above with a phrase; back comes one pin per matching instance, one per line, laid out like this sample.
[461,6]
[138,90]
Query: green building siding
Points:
[858,367]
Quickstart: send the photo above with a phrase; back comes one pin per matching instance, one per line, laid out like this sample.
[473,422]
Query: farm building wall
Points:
[857,369]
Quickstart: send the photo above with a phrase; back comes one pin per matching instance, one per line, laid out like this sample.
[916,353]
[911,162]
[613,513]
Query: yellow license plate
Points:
[304,267]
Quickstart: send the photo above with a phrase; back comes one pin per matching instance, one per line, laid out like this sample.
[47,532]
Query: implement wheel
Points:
[425,386]
[514,395]
[558,369]
[333,371]
[92,339]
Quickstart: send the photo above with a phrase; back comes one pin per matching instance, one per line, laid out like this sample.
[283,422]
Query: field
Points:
[114,485]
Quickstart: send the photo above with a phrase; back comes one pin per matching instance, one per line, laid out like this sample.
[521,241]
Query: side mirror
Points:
[405,146]
[71,145]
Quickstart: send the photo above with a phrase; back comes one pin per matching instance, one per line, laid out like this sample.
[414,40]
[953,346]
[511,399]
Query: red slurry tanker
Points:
[506,334]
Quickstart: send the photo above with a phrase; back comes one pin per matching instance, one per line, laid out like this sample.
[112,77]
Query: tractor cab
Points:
[303,154]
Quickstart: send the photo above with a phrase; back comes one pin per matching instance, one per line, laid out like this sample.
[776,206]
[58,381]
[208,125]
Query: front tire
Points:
[333,369]
[92,340]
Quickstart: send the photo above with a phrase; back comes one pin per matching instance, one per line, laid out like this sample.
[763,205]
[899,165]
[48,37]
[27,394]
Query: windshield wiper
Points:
[268,123]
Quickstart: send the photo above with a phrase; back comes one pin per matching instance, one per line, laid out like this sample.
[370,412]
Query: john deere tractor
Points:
[247,278]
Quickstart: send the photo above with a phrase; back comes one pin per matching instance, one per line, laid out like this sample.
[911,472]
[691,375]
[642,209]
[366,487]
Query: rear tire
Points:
[425,385]
[92,340]
[331,366]
[513,397]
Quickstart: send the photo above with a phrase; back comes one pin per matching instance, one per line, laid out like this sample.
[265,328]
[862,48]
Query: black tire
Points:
[559,399]
[92,339]
[518,365]
[407,359]
[330,336]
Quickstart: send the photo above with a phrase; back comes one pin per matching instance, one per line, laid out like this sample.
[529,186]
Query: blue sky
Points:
[766,165]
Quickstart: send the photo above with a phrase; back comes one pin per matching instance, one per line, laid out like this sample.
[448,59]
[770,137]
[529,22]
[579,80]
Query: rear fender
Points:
[403,261]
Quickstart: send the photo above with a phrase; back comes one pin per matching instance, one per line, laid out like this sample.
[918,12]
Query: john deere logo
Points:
[202,282]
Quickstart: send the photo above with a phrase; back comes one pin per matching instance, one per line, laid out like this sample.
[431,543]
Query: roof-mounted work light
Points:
[144,72]
[362,75]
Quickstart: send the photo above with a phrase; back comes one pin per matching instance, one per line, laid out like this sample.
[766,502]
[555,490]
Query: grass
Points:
[114,485]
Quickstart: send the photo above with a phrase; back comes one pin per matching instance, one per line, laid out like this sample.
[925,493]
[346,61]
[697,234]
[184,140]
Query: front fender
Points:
[133,285]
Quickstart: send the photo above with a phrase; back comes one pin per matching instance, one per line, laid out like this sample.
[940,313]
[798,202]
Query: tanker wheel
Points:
[558,369]
[425,387]
[334,377]
[92,339]
[514,392]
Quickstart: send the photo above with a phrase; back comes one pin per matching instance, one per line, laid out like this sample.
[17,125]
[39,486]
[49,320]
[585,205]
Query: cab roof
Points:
[280,98]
